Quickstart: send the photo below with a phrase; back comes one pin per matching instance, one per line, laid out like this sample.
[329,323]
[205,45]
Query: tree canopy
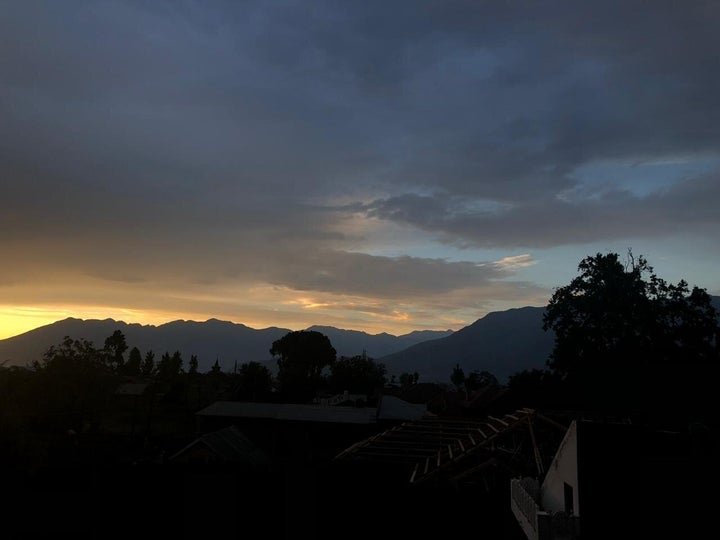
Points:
[457,377]
[623,334]
[254,382]
[115,347]
[302,356]
[74,380]
[615,312]
[170,367]
[134,363]
[358,375]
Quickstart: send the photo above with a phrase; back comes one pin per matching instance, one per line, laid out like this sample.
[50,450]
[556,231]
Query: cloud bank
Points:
[229,147]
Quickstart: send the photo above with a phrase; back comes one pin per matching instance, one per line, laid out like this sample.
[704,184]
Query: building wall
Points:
[562,470]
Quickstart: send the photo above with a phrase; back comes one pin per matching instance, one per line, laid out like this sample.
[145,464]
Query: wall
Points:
[563,469]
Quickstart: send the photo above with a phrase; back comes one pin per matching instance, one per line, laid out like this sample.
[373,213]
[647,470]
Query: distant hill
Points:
[228,342]
[502,343]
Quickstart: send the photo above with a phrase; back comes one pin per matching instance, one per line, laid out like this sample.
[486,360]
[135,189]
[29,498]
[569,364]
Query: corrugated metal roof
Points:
[294,412]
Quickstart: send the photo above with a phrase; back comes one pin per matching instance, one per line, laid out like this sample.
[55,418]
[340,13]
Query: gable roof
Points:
[228,445]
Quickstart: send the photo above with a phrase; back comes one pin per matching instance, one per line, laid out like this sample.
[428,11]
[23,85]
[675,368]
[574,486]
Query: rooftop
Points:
[292,412]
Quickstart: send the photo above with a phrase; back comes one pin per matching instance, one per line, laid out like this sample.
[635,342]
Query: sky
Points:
[378,166]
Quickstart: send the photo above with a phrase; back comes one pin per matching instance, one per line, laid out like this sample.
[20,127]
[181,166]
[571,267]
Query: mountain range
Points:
[211,340]
[502,343]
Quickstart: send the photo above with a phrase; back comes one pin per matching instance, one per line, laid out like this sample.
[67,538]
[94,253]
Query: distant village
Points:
[616,438]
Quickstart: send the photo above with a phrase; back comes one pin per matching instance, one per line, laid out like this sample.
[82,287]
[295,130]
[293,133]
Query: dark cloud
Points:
[203,143]
[553,221]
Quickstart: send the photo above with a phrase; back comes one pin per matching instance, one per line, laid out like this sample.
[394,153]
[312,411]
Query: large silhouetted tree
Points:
[302,356]
[74,383]
[612,312]
[622,334]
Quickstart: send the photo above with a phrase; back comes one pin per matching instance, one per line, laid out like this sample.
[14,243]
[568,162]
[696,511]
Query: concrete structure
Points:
[559,491]
[612,480]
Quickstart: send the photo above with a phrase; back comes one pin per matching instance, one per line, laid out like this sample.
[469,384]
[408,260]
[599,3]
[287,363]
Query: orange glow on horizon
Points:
[16,320]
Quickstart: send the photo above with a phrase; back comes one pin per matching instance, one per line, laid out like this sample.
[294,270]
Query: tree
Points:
[193,365]
[406,379]
[169,367]
[148,365]
[216,369]
[458,376]
[133,365]
[302,356]
[255,382]
[74,383]
[472,382]
[480,379]
[358,375]
[620,330]
[611,312]
[115,347]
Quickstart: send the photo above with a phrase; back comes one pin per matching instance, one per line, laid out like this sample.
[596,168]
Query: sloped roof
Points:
[228,445]
[291,412]
[394,408]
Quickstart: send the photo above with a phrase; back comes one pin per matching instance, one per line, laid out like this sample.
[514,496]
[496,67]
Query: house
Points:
[617,480]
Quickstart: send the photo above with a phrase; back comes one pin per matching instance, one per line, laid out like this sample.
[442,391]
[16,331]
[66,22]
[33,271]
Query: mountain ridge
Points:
[501,342]
[211,340]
